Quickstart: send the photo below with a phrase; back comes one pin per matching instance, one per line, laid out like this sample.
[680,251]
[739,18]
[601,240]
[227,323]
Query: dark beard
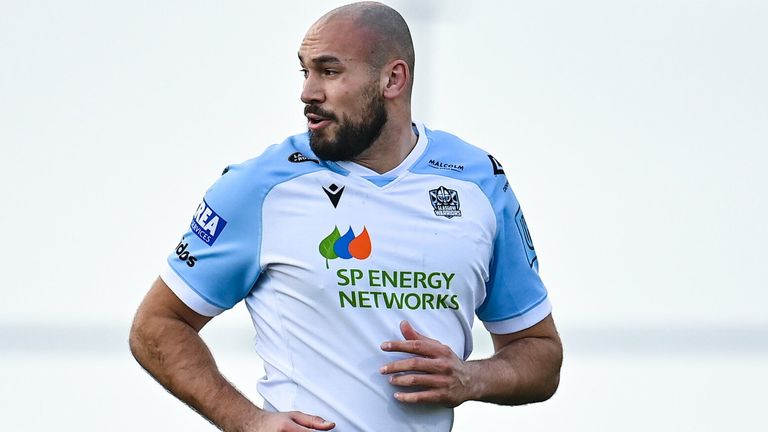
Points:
[352,138]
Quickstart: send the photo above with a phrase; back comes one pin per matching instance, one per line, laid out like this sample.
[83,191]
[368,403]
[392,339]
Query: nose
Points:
[312,91]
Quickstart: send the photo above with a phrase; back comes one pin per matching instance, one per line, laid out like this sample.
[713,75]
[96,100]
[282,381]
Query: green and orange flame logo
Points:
[345,246]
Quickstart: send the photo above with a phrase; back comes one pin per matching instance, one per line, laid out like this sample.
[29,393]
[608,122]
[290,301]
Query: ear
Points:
[396,77]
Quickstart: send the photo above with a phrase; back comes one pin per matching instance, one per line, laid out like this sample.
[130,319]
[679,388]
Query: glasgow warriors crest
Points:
[445,202]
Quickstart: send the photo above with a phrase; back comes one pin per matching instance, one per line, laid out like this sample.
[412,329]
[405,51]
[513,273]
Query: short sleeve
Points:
[515,295]
[216,263]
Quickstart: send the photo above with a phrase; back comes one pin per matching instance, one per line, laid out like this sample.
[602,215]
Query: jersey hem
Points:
[521,322]
[187,294]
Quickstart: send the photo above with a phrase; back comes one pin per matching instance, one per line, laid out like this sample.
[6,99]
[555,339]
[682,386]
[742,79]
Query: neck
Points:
[395,143]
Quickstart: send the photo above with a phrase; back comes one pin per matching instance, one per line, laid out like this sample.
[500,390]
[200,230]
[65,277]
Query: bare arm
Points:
[164,340]
[525,368]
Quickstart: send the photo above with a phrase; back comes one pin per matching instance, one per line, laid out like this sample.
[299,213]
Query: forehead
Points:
[339,38]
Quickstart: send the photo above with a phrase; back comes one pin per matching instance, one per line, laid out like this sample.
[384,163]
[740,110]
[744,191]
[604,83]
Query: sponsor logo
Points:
[497,168]
[525,236]
[445,166]
[206,224]
[445,202]
[334,193]
[392,289]
[184,255]
[226,170]
[299,158]
[345,246]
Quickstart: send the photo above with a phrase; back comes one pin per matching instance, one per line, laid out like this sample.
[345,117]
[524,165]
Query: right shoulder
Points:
[279,163]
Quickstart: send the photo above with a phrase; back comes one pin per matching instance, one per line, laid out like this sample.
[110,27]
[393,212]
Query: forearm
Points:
[524,371]
[175,355]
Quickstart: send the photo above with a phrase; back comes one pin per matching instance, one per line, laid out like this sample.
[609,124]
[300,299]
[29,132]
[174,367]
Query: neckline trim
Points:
[415,154]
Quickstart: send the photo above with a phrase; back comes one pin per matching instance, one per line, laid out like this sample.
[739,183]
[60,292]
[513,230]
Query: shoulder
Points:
[242,188]
[279,163]
[450,156]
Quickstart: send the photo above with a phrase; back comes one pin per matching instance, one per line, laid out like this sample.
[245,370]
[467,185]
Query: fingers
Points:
[418,347]
[417,364]
[435,370]
[311,421]
[409,333]
[414,343]
[425,348]
[421,380]
[429,396]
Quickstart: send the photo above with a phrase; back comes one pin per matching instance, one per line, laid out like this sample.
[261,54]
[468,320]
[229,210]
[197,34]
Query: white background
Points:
[633,132]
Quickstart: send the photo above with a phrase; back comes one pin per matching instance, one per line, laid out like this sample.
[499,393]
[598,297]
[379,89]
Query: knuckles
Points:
[413,363]
[444,350]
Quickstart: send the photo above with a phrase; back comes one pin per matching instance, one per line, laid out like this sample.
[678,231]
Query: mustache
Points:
[317,110]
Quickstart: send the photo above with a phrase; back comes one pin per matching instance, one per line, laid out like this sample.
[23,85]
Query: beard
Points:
[352,138]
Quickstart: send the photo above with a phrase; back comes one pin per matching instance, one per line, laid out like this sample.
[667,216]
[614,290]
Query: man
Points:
[363,250]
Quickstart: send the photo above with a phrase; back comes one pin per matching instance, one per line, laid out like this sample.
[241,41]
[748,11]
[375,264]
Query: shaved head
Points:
[358,63]
[387,31]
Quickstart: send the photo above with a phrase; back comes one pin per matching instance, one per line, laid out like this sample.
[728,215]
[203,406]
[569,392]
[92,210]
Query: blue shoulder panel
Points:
[514,286]
[218,257]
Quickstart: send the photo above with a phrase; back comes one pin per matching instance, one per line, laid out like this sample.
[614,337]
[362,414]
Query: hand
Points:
[443,377]
[293,421]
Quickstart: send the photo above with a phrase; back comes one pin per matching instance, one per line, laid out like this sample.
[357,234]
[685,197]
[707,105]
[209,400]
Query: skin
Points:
[164,337]
[525,368]
[334,59]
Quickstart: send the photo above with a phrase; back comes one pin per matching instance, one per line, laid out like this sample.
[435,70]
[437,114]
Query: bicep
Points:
[161,302]
[544,329]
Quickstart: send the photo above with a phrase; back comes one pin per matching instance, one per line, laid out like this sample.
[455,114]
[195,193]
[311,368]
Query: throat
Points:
[383,157]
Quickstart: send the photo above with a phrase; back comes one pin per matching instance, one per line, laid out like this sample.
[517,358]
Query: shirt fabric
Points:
[331,257]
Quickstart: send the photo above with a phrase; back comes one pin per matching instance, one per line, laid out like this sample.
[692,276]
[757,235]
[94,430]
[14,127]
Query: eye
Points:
[304,72]
[330,72]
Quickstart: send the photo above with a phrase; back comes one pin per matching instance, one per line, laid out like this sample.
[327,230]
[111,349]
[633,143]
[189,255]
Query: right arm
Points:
[164,339]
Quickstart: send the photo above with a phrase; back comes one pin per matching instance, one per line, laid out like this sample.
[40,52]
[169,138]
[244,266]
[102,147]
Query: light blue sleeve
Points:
[216,263]
[218,260]
[515,295]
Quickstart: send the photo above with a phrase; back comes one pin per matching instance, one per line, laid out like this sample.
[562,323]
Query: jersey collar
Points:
[384,178]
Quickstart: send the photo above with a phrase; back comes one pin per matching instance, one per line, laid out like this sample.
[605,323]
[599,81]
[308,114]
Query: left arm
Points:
[525,368]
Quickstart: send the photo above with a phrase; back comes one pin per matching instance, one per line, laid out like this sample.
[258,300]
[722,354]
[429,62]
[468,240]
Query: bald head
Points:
[387,31]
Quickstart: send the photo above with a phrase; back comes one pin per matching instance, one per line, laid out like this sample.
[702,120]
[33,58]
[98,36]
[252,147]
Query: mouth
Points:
[317,119]
[316,122]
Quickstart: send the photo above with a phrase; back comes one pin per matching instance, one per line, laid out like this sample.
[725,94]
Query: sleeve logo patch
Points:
[206,224]
[525,236]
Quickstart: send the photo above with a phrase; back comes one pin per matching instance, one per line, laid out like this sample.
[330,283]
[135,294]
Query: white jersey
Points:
[331,257]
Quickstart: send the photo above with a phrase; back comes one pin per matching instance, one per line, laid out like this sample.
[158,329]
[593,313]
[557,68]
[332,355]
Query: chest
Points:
[419,234]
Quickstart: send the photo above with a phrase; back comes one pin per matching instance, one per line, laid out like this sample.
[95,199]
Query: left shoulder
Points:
[450,156]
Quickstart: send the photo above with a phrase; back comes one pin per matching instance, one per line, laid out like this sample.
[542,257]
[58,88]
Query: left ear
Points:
[395,77]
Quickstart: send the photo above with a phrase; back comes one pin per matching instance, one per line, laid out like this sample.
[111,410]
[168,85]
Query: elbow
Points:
[137,338]
[550,380]
[543,391]
[134,339]
[549,388]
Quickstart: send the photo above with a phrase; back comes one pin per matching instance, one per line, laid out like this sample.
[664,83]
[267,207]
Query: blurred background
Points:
[634,133]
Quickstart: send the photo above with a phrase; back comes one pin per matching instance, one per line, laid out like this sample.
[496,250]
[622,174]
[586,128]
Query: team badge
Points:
[445,202]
